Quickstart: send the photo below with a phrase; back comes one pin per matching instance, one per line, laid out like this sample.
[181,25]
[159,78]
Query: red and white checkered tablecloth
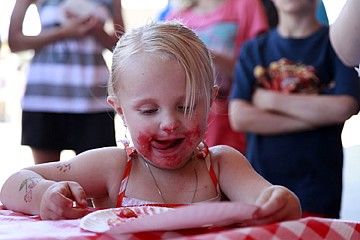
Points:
[15,225]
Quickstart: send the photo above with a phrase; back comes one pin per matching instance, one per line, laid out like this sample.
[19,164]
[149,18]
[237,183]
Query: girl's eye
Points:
[185,108]
[148,111]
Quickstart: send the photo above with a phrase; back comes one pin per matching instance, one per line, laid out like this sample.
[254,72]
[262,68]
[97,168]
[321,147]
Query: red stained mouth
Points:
[166,144]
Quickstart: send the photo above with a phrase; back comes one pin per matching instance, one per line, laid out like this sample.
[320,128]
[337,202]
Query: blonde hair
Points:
[167,40]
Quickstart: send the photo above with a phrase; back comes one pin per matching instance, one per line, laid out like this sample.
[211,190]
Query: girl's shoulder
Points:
[224,151]
[224,154]
[106,157]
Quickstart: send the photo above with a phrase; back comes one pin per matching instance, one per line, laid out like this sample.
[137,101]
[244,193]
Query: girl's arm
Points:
[240,182]
[237,179]
[28,192]
[50,189]
[345,33]
[21,190]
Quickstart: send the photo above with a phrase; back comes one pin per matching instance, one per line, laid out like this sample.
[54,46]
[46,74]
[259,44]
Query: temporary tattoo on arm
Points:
[64,167]
[29,184]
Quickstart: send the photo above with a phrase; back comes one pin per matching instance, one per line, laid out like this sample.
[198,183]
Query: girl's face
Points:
[151,101]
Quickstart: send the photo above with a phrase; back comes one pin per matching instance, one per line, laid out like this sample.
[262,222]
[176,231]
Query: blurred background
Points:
[13,67]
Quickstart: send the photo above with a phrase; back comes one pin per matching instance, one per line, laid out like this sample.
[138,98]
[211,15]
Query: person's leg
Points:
[44,156]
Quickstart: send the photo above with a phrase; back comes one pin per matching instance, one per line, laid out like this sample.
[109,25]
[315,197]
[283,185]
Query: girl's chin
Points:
[166,163]
[170,162]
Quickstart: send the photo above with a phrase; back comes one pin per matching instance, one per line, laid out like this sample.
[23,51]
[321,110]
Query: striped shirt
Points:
[69,75]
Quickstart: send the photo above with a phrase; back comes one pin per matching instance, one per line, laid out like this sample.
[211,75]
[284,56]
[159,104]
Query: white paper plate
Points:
[98,221]
[194,216]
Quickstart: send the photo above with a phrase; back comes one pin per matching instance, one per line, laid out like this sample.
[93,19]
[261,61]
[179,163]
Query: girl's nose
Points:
[169,124]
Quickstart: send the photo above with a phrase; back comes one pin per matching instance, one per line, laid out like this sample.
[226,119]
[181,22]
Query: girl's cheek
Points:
[194,135]
[143,143]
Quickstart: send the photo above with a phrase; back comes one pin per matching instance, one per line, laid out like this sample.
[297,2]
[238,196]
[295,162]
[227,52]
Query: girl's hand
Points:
[276,204]
[57,201]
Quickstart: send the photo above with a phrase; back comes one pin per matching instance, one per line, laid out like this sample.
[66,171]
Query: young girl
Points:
[162,85]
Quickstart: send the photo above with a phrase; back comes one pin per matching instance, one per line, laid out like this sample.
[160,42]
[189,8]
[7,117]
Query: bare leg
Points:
[44,156]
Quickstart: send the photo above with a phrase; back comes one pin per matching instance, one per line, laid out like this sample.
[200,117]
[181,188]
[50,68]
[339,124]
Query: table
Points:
[14,225]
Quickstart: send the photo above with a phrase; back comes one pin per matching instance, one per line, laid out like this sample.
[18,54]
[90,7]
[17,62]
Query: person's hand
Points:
[262,98]
[276,204]
[76,27]
[57,201]
[97,25]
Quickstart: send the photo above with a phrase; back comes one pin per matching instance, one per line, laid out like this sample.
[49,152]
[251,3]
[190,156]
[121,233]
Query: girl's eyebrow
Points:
[140,101]
[143,100]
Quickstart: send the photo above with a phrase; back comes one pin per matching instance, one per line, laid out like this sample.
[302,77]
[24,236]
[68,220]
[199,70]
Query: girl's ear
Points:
[113,101]
[215,91]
